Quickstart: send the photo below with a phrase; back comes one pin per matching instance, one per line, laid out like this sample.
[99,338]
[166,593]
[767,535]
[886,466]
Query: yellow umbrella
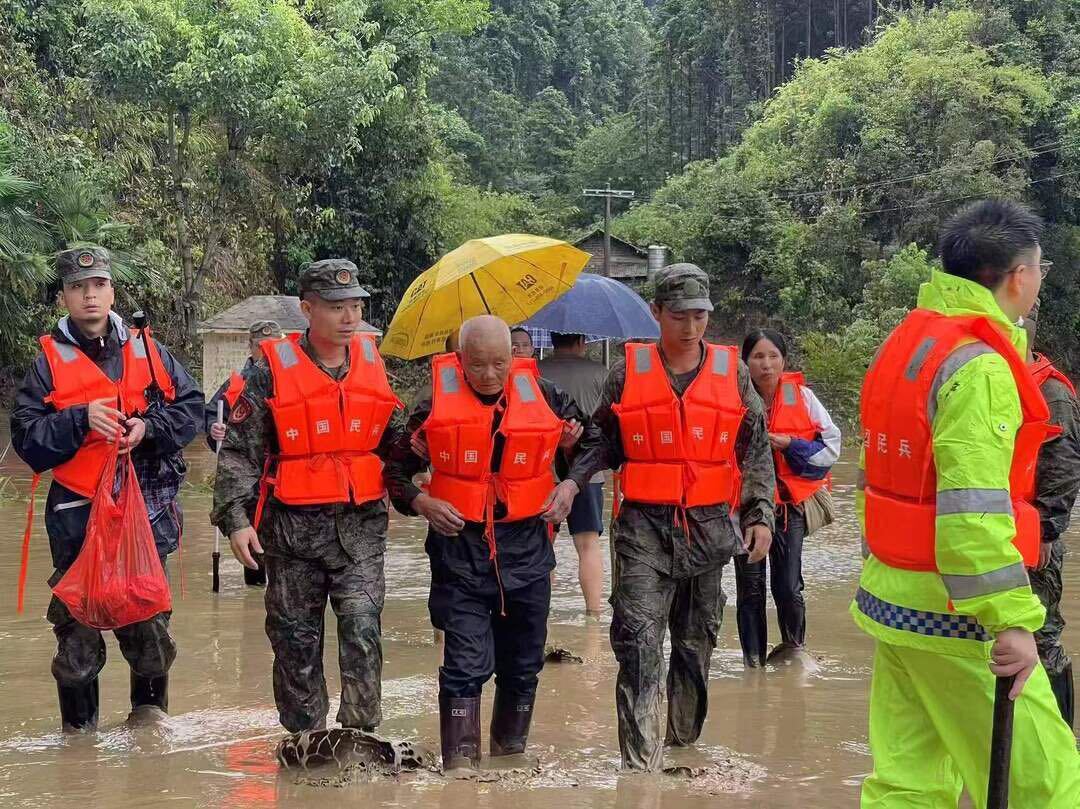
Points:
[511,276]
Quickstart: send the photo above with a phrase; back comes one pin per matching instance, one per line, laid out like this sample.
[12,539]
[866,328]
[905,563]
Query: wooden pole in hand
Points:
[997,795]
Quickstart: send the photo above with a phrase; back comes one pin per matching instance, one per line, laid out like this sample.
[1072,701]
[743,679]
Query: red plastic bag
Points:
[118,578]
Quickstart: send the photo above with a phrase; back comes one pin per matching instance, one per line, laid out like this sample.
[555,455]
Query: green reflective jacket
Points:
[974,431]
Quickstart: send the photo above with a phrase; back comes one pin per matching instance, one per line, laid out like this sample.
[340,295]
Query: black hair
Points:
[523,330]
[559,340]
[983,240]
[757,335]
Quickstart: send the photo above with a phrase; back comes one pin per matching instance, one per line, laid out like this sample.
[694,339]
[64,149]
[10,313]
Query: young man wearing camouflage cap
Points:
[320,409]
[683,424]
[64,418]
[228,394]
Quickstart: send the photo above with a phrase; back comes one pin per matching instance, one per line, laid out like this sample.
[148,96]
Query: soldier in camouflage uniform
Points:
[227,395]
[669,560]
[49,436]
[1057,480]
[312,553]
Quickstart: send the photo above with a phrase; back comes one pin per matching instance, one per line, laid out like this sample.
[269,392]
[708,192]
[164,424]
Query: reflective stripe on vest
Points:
[679,450]
[789,415]
[899,404]
[77,380]
[460,437]
[327,429]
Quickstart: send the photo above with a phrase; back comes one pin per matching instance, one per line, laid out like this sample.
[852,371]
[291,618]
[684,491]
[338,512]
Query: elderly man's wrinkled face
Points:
[487,365]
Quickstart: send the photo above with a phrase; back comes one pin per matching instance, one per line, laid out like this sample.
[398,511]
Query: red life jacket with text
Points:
[460,438]
[78,381]
[789,415]
[328,429]
[898,396]
[680,451]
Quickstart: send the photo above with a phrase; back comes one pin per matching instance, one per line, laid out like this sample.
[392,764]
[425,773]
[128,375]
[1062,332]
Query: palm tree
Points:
[35,223]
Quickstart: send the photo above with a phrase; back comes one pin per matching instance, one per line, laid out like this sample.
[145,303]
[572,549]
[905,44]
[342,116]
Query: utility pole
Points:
[608,194]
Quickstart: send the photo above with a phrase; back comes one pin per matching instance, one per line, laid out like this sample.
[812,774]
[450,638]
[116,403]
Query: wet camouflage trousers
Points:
[1046,584]
[80,650]
[296,594]
[646,603]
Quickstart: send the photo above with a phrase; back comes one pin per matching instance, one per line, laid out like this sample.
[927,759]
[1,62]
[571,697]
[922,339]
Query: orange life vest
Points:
[680,451]
[78,381]
[460,439]
[327,429]
[234,391]
[897,397]
[789,415]
[1042,369]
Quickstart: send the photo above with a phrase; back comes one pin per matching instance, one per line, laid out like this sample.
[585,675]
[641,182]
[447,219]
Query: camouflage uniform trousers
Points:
[80,650]
[1046,584]
[296,594]
[645,604]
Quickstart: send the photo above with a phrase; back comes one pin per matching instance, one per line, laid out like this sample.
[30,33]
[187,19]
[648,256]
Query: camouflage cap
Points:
[332,279]
[83,262]
[264,329]
[682,286]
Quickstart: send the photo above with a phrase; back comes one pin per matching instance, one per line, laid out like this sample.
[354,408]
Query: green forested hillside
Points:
[802,151]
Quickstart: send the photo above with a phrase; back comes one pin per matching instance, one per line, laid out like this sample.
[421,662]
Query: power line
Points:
[1048,178]
[1047,148]
[920,203]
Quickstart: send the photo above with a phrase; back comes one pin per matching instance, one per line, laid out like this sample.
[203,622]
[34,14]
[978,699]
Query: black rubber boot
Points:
[1062,686]
[79,707]
[510,722]
[459,732]
[150,691]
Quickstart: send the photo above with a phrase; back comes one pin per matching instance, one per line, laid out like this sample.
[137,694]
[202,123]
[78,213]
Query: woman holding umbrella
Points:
[806,443]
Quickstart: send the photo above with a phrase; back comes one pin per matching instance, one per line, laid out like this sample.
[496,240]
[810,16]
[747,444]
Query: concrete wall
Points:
[223,353]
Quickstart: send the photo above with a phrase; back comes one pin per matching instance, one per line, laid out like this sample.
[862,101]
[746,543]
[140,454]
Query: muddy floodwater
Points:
[788,737]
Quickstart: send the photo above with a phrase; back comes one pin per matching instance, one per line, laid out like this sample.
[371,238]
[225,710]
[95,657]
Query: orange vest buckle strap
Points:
[899,403]
[460,437]
[1043,369]
[234,391]
[327,429]
[789,415]
[680,451]
[78,381]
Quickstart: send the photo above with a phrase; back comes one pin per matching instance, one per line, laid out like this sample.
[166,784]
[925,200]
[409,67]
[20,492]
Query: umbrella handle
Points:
[997,795]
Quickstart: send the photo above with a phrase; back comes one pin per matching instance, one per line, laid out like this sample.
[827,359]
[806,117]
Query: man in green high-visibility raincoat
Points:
[952,423]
